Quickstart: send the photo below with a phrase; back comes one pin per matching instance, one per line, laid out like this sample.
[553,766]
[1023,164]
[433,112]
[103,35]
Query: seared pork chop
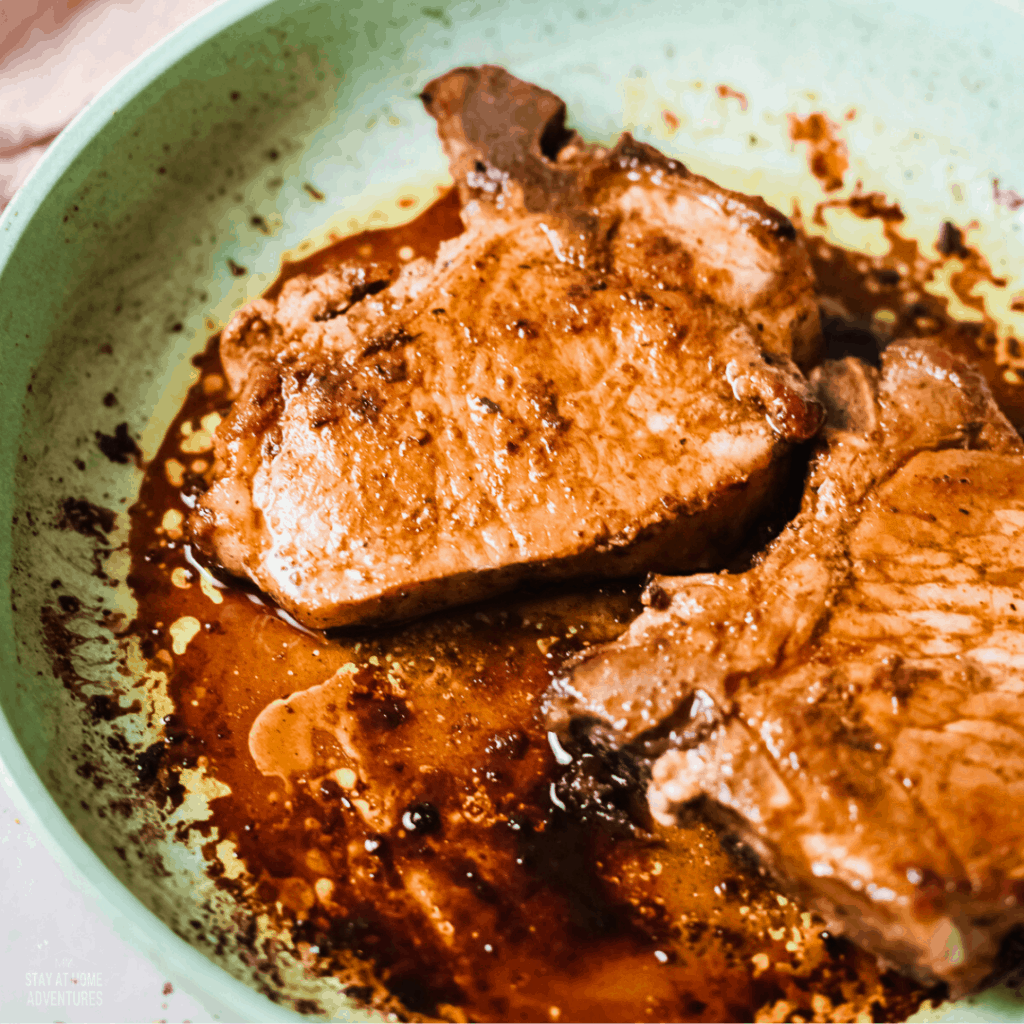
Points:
[600,376]
[853,707]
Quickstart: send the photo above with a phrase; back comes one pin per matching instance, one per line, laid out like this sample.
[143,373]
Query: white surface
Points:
[60,958]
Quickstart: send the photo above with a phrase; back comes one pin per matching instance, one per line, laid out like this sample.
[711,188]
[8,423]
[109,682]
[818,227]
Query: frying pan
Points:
[117,261]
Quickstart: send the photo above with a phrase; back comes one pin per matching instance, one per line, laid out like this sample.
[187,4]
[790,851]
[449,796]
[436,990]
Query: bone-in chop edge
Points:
[853,707]
[597,378]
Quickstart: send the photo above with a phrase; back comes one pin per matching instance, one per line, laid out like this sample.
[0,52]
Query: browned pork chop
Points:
[853,706]
[598,377]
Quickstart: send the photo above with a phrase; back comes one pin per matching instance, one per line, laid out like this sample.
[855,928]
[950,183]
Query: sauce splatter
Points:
[1006,197]
[728,92]
[826,151]
[869,300]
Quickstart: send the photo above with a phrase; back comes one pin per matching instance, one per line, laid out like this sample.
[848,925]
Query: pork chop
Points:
[851,708]
[599,376]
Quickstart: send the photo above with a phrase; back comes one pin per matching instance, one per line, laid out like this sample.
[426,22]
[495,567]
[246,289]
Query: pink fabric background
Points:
[55,55]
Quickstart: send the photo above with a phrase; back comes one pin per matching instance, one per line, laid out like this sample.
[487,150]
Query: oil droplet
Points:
[171,523]
[182,631]
[175,472]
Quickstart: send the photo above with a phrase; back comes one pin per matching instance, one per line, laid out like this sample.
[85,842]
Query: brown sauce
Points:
[419,848]
[868,300]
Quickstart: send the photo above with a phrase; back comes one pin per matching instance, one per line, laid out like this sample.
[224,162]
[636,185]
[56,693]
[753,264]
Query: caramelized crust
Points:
[597,378]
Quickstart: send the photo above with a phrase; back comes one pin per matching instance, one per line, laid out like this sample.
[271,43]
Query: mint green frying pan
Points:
[116,262]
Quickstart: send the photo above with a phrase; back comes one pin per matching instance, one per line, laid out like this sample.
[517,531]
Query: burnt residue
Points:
[82,516]
[866,205]
[119,447]
[869,300]
[388,341]
[605,783]
[61,644]
[826,151]
[373,703]
[1009,966]
[951,240]
[105,709]
[845,336]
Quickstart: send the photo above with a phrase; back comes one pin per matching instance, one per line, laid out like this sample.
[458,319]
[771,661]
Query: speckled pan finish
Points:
[116,263]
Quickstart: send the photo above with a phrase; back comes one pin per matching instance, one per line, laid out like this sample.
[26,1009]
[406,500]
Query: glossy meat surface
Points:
[598,377]
[851,707]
